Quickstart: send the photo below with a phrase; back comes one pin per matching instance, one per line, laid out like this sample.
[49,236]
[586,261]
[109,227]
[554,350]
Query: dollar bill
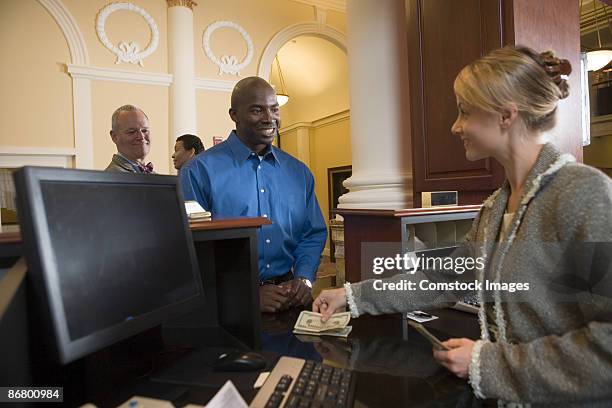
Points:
[341,332]
[311,321]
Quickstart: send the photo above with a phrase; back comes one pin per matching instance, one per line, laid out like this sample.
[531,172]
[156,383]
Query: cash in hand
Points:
[310,323]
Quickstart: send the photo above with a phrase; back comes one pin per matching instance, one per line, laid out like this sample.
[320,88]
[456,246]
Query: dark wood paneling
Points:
[443,37]
[554,25]
[361,229]
[14,237]
[371,226]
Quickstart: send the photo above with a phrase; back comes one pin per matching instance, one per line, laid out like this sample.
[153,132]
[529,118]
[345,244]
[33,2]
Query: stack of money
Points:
[310,323]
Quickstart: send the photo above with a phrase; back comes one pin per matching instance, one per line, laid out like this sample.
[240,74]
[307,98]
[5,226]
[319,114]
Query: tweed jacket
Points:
[552,344]
[121,164]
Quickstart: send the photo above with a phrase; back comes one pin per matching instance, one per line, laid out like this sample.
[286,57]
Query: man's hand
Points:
[273,298]
[457,359]
[299,293]
[330,302]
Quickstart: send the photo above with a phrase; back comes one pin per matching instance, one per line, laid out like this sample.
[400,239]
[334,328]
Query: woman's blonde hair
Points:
[533,82]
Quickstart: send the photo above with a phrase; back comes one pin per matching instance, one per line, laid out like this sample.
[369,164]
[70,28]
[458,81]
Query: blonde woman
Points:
[550,225]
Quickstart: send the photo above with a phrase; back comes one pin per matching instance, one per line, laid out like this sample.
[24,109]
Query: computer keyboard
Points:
[297,383]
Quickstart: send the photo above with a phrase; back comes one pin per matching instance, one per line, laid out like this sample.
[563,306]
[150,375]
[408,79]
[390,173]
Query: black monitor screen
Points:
[111,254]
[107,237]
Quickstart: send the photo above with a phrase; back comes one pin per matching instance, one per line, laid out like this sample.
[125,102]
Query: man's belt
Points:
[277,280]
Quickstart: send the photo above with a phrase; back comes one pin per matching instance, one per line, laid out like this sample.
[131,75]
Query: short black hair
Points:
[246,86]
[191,142]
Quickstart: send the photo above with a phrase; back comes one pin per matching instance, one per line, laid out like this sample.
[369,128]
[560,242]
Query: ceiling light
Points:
[282,97]
[600,57]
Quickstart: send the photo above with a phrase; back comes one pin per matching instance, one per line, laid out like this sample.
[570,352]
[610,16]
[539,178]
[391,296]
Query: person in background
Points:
[549,226]
[130,132]
[247,176]
[186,148]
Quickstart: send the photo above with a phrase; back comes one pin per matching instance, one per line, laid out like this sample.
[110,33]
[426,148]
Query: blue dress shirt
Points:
[230,180]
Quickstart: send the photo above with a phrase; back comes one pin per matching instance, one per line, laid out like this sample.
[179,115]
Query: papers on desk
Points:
[227,397]
[196,212]
[421,317]
[142,402]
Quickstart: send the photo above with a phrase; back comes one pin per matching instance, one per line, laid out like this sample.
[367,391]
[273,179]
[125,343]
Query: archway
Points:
[282,37]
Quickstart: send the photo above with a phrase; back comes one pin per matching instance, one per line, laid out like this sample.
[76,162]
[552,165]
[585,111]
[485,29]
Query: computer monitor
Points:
[109,254]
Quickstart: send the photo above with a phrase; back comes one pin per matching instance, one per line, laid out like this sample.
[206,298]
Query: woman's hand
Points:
[457,359]
[330,302]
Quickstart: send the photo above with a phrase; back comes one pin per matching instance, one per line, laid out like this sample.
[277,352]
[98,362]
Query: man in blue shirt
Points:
[247,176]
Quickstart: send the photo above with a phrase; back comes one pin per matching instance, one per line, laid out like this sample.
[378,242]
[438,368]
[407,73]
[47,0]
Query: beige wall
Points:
[260,18]
[316,78]
[153,100]
[36,97]
[290,145]
[122,26]
[330,146]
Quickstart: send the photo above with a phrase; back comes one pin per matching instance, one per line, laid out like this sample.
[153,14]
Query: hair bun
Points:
[557,69]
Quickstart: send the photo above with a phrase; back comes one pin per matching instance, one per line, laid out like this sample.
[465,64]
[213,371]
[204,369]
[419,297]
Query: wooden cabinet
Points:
[376,233]
[443,37]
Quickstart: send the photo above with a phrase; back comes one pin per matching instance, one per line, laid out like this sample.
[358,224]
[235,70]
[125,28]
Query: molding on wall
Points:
[33,151]
[296,126]
[325,121]
[214,84]
[312,28]
[127,52]
[148,78]
[82,155]
[228,64]
[13,157]
[68,25]
[321,17]
[335,5]
[331,119]
[117,75]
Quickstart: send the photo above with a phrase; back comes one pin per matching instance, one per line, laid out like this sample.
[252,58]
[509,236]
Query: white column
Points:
[181,66]
[380,128]
[82,115]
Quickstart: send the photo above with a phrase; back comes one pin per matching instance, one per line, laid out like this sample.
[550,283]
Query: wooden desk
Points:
[228,257]
[393,227]
[394,364]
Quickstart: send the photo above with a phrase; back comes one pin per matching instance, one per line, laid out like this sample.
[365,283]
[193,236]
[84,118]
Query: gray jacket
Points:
[550,345]
[121,164]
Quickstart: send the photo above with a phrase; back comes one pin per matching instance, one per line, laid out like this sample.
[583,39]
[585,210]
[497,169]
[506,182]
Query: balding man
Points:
[130,132]
[247,176]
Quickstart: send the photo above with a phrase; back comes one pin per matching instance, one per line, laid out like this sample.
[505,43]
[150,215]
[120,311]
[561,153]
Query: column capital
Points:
[185,3]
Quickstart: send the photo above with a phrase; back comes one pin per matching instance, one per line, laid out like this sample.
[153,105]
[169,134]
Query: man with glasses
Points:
[130,132]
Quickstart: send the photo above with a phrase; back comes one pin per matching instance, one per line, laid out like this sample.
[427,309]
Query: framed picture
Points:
[335,178]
